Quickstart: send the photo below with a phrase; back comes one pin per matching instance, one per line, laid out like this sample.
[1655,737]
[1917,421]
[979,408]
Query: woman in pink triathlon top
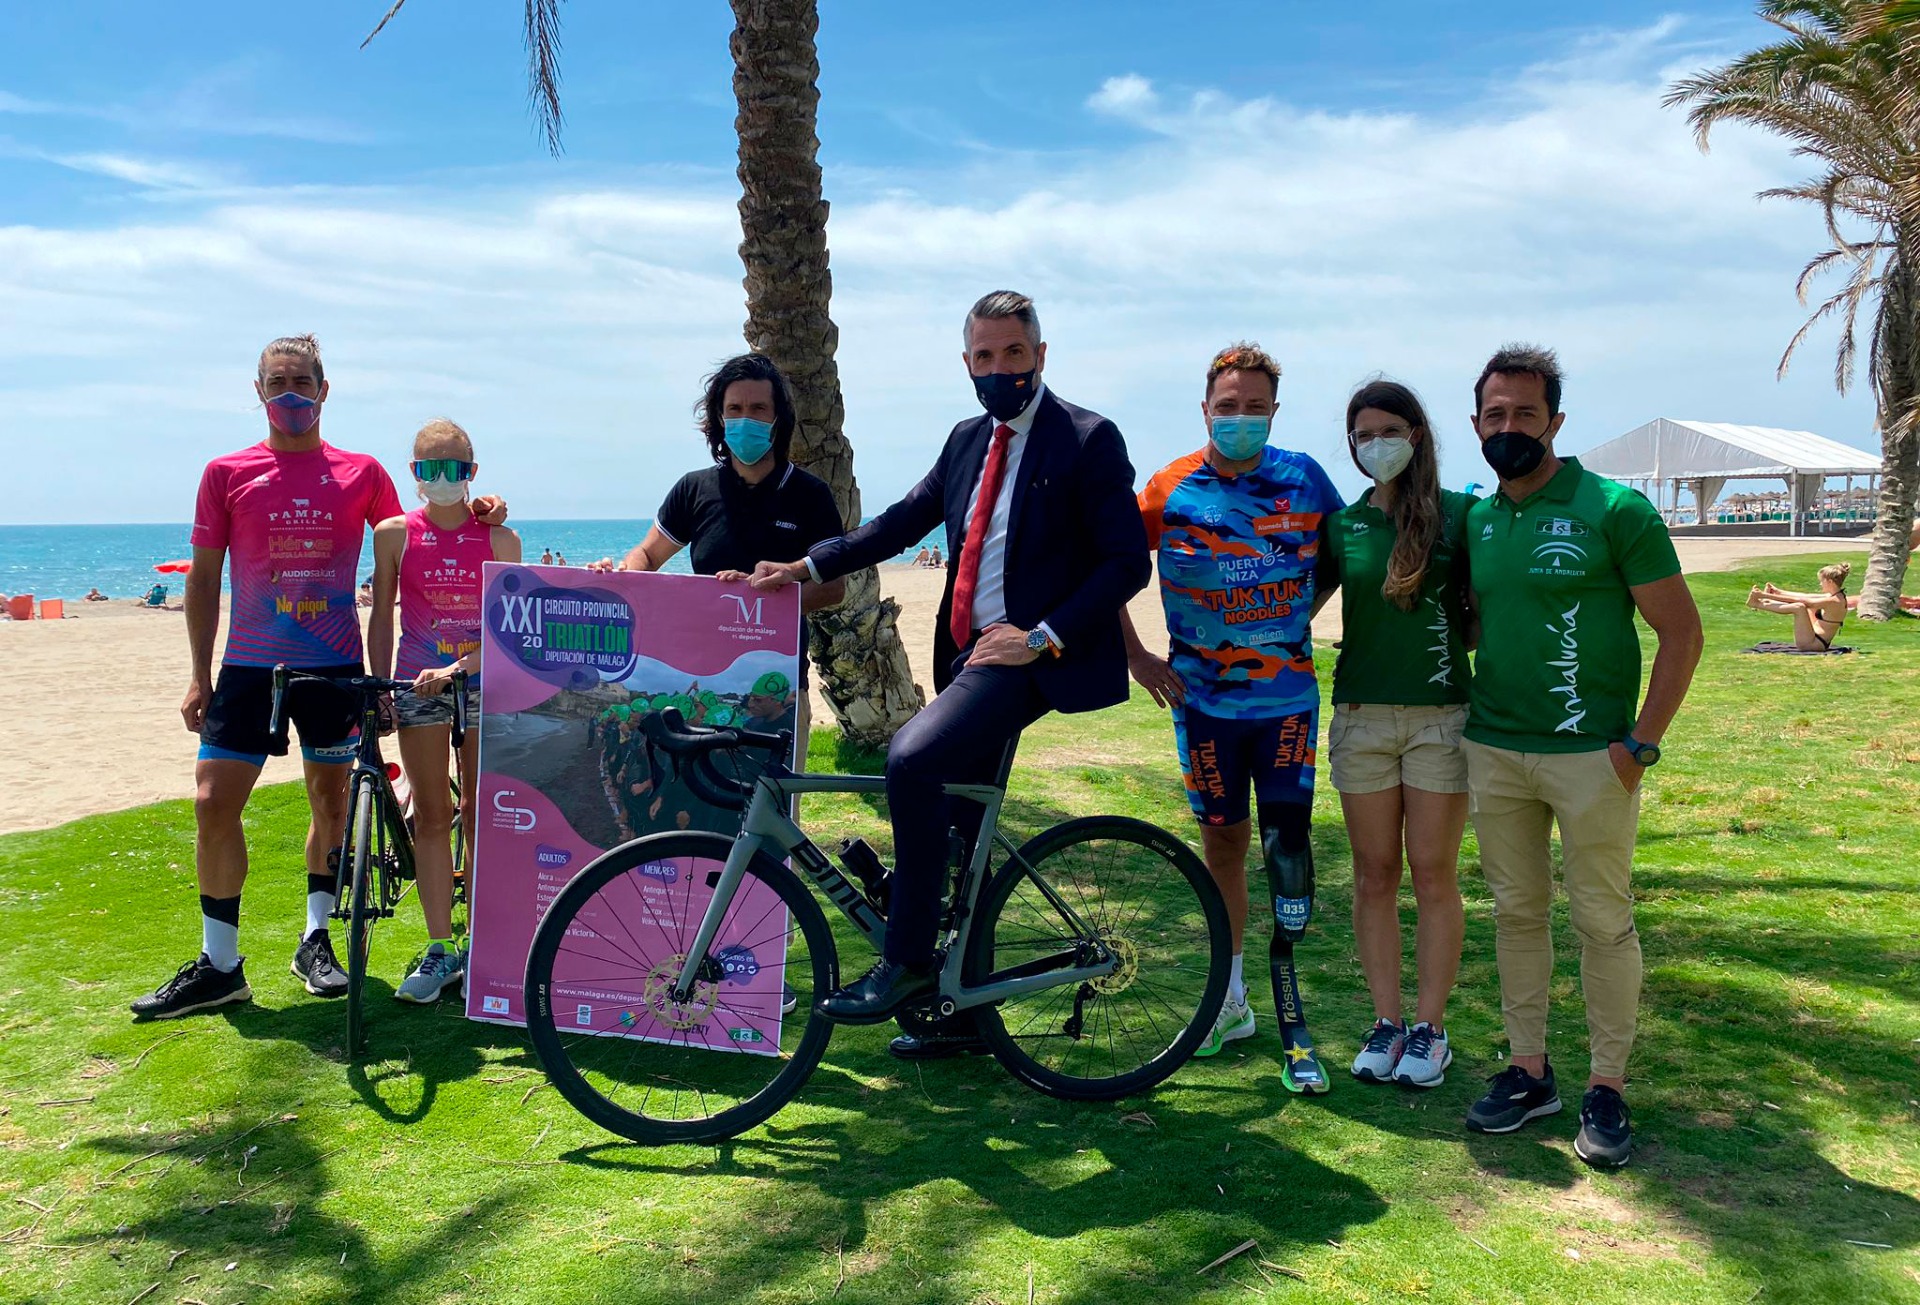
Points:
[432,556]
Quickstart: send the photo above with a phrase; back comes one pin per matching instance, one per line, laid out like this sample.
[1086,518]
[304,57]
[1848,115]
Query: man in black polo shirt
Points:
[752,503]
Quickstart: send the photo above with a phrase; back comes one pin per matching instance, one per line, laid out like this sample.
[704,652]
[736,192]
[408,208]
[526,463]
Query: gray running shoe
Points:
[439,970]
[314,965]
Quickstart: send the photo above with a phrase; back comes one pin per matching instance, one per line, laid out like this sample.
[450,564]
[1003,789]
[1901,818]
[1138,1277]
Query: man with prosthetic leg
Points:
[1236,531]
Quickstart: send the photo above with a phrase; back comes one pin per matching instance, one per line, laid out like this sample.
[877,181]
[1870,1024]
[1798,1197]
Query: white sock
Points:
[319,907]
[221,942]
[1236,980]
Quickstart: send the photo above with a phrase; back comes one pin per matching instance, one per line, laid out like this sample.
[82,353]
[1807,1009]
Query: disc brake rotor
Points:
[658,995]
[1126,966]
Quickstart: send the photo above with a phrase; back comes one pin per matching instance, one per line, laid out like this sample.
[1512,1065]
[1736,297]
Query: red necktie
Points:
[968,577]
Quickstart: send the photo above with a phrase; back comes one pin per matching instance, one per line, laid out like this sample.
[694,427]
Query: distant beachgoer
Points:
[935,559]
[751,503]
[366,593]
[559,559]
[1816,617]
[95,596]
[546,557]
[923,557]
[292,498]
[155,600]
[432,558]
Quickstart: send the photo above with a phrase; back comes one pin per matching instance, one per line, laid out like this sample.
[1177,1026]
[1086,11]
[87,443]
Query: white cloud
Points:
[568,328]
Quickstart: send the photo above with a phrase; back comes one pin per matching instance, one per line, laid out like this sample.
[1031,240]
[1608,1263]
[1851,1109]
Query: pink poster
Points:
[572,661]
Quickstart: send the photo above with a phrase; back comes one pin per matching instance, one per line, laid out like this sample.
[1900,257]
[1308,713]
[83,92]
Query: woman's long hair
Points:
[1416,511]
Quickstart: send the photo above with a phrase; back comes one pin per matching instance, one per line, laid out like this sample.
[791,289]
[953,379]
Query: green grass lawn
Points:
[1776,1083]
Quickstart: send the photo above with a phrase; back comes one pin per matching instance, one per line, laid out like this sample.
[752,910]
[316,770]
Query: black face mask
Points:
[1513,454]
[1005,395]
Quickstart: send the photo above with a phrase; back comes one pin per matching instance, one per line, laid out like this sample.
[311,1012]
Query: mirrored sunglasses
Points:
[447,469]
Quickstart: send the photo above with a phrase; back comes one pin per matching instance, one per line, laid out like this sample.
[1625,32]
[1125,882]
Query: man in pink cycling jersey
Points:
[293,512]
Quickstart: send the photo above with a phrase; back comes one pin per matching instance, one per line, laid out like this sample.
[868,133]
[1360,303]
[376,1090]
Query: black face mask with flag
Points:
[1513,454]
[1005,395]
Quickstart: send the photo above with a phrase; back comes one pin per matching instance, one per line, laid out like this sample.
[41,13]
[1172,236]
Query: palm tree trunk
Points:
[1897,388]
[783,221]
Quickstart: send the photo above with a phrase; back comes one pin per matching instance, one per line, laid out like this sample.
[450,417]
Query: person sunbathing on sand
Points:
[1816,617]
[95,596]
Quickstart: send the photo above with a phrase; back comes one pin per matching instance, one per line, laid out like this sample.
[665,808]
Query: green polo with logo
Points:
[1388,656]
[1559,663]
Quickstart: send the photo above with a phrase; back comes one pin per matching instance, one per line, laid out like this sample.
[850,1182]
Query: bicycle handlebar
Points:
[670,732]
[284,678]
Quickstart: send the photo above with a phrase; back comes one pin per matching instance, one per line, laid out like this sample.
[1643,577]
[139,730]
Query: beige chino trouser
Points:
[1515,798]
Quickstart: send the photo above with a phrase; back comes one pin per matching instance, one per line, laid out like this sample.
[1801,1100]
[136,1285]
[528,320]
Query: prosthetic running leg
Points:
[1289,864]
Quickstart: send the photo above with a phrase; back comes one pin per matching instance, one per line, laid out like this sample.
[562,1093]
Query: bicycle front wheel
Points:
[360,911]
[606,960]
[1132,891]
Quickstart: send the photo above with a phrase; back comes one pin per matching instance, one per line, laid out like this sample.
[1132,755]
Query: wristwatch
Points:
[1644,753]
[1037,642]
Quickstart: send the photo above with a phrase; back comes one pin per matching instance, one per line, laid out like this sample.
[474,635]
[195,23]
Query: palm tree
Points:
[1843,85]
[864,672]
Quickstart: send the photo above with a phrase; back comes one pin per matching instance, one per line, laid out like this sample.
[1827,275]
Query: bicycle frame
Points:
[766,823]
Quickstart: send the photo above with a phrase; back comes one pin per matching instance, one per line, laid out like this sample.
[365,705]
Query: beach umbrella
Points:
[178,567]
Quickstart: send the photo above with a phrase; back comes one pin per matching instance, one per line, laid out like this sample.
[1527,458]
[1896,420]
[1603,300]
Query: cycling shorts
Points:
[412,710]
[1222,759]
[235,728]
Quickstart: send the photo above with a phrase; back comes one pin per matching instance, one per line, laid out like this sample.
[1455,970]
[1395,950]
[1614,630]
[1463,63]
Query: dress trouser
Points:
[958,738]
[1515,798]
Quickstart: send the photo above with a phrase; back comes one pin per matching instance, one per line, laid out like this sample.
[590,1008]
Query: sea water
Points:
[66,561]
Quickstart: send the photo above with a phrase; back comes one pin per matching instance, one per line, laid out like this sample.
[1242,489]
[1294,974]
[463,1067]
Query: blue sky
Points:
[1395,189]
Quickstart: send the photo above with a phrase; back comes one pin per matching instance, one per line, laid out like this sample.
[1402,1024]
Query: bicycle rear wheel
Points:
[1143,896]
[361,911]
[600,979]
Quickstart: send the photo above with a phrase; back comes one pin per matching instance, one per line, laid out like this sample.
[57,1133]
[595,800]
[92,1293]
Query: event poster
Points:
[572,662]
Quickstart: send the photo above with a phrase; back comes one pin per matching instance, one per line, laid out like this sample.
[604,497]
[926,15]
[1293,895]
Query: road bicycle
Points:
[671,985]
[374,861]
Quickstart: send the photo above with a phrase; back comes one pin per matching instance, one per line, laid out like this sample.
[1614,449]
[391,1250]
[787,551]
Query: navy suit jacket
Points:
[1076,547]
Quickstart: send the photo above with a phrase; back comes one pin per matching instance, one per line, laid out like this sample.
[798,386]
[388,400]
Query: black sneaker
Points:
[195,986]
[1513,1098]
[315,966]
[1606,1135]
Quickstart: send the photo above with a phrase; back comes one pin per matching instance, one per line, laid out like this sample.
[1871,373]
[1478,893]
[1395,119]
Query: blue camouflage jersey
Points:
[1236,556]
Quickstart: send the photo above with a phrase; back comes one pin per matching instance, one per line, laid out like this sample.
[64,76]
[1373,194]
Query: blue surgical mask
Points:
[1239,438]
[748,439]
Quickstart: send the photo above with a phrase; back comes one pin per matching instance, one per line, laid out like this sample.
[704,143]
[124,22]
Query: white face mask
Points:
[1383,459]
[443,493]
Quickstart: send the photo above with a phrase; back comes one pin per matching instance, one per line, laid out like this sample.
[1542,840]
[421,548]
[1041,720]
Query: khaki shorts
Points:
[1374,748]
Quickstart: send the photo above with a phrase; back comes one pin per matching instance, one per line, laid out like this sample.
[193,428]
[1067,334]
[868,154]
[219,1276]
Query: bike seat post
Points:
[1005,769]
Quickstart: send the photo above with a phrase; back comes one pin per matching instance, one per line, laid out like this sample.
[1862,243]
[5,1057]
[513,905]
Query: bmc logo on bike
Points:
[508,816]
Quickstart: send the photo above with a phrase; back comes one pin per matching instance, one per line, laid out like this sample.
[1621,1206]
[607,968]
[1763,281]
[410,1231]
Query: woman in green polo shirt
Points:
[1400,694]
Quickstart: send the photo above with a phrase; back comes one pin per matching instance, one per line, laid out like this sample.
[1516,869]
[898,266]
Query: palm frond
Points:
[543,68]
[384,20]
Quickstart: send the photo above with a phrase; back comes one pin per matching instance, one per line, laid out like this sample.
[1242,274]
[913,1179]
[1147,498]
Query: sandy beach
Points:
[92,702]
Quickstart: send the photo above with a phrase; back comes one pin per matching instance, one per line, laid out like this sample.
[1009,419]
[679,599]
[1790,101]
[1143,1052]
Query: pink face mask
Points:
[292,414]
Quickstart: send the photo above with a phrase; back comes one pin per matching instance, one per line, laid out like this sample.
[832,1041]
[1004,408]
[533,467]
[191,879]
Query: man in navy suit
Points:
[1046,546]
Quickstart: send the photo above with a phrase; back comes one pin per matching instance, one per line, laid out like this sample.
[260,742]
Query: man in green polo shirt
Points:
[1561,559]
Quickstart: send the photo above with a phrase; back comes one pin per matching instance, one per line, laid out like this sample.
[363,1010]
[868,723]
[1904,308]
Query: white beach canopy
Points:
[1667,456]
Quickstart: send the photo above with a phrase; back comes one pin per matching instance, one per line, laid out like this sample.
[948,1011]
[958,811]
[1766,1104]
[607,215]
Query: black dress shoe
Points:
[876,995]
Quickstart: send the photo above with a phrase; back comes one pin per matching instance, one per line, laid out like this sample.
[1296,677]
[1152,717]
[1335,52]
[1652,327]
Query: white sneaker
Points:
[1424,1062]
[1234,1022]
[1376,1061]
